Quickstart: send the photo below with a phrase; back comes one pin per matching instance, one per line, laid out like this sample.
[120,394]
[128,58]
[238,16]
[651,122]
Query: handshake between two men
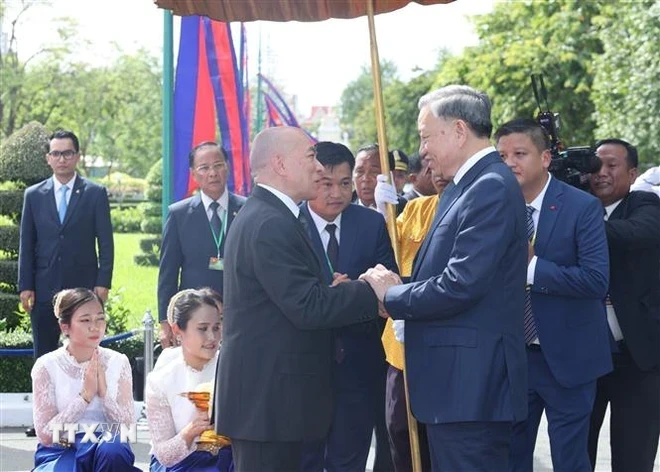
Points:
[380,279]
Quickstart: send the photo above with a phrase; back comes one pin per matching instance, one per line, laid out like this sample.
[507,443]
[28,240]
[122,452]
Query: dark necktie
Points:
[216,224]
[333,246]
[530,325]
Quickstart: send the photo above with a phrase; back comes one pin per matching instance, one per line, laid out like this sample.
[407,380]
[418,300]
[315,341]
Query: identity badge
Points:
[216,263]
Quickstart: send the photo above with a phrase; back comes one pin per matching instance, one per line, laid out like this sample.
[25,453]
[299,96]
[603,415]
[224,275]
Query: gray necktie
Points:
[530,325]
[216,224]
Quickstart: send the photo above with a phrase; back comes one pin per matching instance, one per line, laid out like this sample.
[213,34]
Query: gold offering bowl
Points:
[208,441]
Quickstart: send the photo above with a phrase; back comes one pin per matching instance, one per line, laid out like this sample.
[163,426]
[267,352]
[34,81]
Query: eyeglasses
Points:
[67,155]
[217,167]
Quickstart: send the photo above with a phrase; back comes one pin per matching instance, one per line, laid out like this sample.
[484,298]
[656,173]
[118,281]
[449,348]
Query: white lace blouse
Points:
[56,384]
[168,412]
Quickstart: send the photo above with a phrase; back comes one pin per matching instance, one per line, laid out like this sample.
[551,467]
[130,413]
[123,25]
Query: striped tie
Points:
[530,326]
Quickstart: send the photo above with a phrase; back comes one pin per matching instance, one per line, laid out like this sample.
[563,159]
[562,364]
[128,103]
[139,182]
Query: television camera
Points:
[573,164]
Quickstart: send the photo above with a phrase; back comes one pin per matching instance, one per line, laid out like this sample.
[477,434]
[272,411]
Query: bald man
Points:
[274,386]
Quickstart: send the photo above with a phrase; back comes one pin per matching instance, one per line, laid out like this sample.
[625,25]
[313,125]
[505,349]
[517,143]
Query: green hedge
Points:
[126,220]
[150,245]
[23,155]
[151,209]
[8,310]
[15,371]
[9,273]
[151,225]
[146,259]
[9,240]
[11,204]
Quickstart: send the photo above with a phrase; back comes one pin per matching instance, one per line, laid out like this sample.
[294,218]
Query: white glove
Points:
[384,193]
[398,327]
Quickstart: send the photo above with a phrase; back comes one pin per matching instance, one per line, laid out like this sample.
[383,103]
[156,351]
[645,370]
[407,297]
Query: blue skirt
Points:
[103,456]
[198,461]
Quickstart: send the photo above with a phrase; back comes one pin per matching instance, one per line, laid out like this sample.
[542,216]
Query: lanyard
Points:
[327,259]
[218,239]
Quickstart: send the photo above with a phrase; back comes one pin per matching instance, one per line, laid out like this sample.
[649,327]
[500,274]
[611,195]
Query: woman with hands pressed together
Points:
[84,384]
[175,423]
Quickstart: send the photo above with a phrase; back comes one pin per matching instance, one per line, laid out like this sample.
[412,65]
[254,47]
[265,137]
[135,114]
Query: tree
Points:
[360,94]
[625,90]
[557,38]
[114,109]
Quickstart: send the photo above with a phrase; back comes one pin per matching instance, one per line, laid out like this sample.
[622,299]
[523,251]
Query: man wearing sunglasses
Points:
[65,219]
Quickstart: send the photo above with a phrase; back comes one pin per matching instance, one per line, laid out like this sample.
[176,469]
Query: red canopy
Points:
[283,10]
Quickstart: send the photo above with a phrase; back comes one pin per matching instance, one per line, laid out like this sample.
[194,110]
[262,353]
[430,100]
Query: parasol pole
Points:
[391,211]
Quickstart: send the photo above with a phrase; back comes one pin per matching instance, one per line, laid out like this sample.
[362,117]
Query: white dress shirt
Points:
[223,203]
[287,200]
[321,224]
[467,165]
[537,204]
[57,185]
[611,314]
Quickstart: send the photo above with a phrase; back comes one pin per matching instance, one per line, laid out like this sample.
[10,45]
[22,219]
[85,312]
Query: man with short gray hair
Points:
[464,341]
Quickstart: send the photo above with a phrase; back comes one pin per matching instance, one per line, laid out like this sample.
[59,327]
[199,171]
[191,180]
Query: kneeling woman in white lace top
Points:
[174,422]
[84,384]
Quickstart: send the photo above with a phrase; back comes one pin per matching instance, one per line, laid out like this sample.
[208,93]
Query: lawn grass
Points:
[137,283]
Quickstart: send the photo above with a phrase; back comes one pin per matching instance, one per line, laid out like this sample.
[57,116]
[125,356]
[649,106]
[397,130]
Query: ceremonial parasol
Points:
[317,10]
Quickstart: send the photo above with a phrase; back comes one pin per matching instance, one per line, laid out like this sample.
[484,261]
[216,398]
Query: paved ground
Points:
[16,451]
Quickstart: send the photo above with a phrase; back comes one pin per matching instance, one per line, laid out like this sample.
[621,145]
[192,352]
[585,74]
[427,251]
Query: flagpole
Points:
[391,213]
[260,120]
[167,124]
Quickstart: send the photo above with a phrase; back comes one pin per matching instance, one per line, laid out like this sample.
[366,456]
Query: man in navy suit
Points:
[64,218]
[463,309]
[632,389]
[565,323]
[192,251]
[349,239]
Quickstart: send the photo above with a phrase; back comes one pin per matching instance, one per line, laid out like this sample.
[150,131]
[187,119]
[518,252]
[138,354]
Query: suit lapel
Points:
[48,192]
[231,210]
[550,209]
[620,210]
[317,244]
[347,238]
[201,220]
[76,195]
[277,204]
[447,201]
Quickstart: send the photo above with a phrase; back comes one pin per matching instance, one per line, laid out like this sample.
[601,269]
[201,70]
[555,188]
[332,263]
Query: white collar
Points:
[322,223]
[287,200]
[537,203]
[223,200]
[359,202]
[609,209]
[467,165]
[57,184]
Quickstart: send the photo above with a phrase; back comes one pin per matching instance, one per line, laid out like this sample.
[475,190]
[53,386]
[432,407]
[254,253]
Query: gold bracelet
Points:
[82,395]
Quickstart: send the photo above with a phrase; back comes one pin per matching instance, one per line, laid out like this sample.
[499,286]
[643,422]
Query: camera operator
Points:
[633,312]
[565,322]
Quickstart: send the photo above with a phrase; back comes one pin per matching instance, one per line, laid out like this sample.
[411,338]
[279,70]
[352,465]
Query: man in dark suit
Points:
[565,323]
[64,218]
[192,250]
[463,309]
[365,175]
[633,313]
[350,239]
[419,177]
[274,386]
